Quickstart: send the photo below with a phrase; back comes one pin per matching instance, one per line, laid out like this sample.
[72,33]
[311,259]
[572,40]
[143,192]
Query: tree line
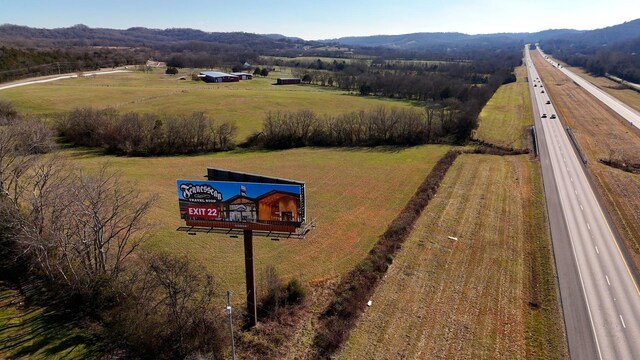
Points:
[145,134]
[464,86]
[619,59]
[17,63]
[444,122]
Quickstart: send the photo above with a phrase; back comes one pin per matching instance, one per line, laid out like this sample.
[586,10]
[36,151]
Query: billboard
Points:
[269,206]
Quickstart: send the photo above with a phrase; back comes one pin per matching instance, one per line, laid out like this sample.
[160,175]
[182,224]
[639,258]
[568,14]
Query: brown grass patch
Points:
[490,294]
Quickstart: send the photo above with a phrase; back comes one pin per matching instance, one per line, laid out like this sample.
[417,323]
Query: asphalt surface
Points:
[600,299]
[627,113]
[56,78]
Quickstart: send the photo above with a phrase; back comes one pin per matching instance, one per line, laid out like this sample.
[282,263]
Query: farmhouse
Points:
[288,81]
[217,77]
[242,75]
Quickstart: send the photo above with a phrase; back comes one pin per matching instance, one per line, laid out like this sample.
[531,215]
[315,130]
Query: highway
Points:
[627,113]
[56,78]
[600,298]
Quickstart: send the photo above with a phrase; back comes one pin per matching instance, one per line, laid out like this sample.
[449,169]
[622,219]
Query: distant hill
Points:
[436,41]
[613,50]
[82,35]
[280,37]
[601,37]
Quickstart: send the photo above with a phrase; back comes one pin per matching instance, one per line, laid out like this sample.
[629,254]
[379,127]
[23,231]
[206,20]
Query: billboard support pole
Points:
[252,310]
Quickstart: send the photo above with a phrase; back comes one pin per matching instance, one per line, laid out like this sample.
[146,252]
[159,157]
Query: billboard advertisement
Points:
[242,205]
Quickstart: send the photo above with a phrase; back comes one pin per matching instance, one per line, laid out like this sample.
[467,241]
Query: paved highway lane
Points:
[629,114]
[610,295]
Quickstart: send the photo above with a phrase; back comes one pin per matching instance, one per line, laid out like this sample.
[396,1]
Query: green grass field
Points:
[353,194]
[506,116]
[30,331]
[245,102]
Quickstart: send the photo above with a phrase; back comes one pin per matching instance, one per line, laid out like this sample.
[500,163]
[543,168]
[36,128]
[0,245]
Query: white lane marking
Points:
[608,282]
[623,325]
[581,208]
[571,179]
[598,251]
[575,191]
[589,226]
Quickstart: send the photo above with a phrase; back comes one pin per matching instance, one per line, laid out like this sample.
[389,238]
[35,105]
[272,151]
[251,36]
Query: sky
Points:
[325,19]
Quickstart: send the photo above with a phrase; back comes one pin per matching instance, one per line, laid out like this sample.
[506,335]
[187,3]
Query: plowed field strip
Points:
[467,298]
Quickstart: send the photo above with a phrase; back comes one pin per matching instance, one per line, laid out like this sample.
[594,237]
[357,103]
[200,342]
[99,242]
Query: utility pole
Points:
[228,311]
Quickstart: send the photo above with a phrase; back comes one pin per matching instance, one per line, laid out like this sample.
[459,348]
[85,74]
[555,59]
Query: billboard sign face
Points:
[242,205]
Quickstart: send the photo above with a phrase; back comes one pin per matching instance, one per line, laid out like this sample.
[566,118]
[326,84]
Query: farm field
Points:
[353,194]
[505,118]
[245,102]
[490,294]
[601,135]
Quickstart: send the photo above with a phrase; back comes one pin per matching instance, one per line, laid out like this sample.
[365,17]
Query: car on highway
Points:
[544,116]
[553,116]
[548,102]
[542,92]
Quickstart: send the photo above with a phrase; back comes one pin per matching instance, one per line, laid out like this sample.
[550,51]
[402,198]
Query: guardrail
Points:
[575,145]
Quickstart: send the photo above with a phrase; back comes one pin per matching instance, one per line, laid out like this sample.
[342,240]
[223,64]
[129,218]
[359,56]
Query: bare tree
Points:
[80,228]
[173,313]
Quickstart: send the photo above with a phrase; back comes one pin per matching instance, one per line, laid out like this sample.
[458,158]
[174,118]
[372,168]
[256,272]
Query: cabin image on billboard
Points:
[278,206]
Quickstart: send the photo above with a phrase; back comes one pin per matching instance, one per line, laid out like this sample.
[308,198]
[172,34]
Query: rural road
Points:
[61,77]
[627,113]
[600,298]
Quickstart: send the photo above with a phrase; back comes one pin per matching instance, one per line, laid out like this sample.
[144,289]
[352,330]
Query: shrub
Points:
[170,311]
[8,112]
[32,136]
[279,296]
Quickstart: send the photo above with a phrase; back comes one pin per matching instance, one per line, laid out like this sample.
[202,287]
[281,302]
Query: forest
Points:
[613,50]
